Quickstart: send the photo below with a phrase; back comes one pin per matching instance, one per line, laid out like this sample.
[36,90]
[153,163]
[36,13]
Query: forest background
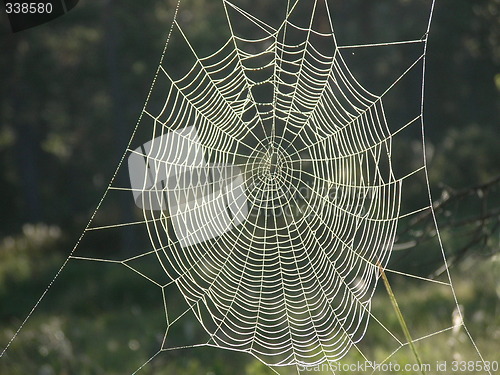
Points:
[70,94]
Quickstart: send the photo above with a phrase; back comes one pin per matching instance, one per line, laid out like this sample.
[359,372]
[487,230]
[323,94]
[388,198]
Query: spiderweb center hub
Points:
[274,163]
[270,176]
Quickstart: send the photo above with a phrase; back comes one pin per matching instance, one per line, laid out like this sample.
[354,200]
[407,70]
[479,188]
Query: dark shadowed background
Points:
[70,95]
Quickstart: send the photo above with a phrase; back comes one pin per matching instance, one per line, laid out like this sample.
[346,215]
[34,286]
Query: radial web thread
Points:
[268,187]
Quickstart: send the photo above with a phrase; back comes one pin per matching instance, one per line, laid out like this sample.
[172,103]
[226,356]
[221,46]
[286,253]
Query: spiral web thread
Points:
[290,287]
[292,283]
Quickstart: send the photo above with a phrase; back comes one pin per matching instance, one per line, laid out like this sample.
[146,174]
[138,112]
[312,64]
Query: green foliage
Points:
[104,320]
[63,128]
[473,146]
[28,255]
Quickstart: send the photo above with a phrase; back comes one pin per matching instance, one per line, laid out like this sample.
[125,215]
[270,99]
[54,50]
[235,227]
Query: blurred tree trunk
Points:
[25,125]
[28,154]
[119,104]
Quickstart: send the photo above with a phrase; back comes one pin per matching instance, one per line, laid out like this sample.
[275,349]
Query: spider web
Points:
[265,175]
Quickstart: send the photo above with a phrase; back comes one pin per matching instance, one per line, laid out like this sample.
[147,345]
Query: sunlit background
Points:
[71,92]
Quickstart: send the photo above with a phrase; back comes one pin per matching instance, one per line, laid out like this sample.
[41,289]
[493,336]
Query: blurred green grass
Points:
[105,319]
